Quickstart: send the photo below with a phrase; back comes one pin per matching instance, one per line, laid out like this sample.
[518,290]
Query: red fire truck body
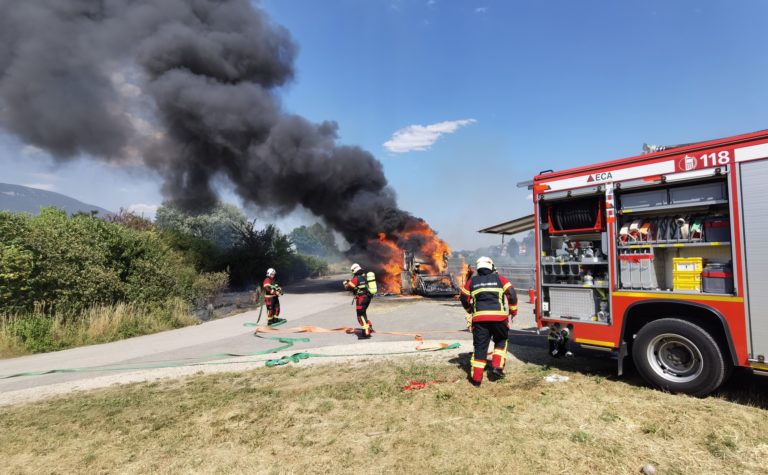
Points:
[662,257]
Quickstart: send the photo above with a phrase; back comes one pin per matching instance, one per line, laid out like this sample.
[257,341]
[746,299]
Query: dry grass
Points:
[358,419]
[100,324]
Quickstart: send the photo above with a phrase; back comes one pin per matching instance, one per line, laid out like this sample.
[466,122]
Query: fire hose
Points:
[286,343]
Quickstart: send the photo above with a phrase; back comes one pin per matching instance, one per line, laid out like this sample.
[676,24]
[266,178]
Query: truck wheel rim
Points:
[675,358]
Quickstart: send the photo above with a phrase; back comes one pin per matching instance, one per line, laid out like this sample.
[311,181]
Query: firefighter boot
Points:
[497,363]
[477,370]
[366,327]
[495,374]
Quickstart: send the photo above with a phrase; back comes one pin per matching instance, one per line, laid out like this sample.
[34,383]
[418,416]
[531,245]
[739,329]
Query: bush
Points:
[208,286]
[71,264]
[40,331]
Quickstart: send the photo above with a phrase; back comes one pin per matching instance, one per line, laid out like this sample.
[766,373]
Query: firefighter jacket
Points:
[483,296]
[270,288]
[358,284]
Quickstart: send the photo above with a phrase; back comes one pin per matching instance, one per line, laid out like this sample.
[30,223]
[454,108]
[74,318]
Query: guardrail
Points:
[522,277]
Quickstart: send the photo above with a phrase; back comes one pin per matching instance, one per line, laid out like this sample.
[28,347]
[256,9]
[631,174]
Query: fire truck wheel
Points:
[678,356]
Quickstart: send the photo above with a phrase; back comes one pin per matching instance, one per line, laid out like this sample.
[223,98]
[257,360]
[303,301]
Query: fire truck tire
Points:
[679,356]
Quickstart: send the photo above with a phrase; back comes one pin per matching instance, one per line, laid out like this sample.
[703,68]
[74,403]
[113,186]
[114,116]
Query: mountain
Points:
[25,199]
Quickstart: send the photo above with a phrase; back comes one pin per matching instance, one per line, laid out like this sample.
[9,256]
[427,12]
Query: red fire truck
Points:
[661,257]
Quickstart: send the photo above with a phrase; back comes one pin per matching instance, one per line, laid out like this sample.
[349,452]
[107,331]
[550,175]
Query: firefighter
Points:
[359,286]
[272,293]
[483,298]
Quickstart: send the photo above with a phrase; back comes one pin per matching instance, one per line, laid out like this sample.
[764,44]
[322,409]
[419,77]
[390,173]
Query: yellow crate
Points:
[687,281]
[686,278]
[687,264]
[695,286]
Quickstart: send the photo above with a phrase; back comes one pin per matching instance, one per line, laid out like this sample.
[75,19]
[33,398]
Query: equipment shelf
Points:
[655,209]
[580,286]
[676,244]
[599,263]
[682,293]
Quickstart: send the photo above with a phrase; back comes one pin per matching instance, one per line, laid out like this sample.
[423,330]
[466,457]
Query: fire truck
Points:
[660,257]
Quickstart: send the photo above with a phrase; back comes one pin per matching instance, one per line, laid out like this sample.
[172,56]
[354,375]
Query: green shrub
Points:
[207,286]
[69,264]
[34,332]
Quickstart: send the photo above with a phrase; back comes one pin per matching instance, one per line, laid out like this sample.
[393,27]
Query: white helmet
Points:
[355,268]
[485,263]
[271,272]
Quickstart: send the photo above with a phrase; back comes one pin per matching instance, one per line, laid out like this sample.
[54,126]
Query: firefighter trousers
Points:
[273,307]
[482,334]
[361,306]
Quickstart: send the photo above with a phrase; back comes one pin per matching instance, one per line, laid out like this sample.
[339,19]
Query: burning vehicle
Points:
[411,260]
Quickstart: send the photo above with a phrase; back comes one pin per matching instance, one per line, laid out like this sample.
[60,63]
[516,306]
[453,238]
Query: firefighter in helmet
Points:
[483,298]
[272,293]
[360,287]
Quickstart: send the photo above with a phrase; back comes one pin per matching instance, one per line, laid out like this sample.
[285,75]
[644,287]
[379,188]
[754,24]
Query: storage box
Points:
[686,273]
[637,271]
[644,199]
[717,278]
[717,229]
[687,282]
[687,264]
[694,194]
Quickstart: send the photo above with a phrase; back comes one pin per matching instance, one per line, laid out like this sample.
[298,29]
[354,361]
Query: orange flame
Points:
[392,267]
[418,237]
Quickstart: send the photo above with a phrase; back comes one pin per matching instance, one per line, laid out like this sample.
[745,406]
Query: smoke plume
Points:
[189,89]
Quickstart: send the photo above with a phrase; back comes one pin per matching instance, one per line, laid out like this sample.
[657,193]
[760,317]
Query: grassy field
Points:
[37,333]
[358,419]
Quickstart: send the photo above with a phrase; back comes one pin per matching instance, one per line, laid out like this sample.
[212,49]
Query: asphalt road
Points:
[319,303]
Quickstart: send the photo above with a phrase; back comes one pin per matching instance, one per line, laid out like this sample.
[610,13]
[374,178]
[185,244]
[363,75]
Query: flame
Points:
[392,265]
[416,236]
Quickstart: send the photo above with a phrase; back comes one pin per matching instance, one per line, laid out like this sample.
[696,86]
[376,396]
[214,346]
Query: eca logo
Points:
[604,176]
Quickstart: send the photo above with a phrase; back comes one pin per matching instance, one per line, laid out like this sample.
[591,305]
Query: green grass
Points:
[39,332]
[356,418]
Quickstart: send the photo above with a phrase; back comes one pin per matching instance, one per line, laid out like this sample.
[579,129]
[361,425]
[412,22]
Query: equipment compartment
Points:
[574,266]
[644,199]
[697,194]
[665,247]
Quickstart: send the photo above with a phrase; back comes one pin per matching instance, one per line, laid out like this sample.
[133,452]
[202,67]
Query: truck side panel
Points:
[754,213]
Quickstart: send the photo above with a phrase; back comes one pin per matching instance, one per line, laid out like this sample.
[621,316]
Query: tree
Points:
[315,240]
[219,225]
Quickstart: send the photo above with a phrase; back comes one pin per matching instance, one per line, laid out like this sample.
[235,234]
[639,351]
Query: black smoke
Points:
[188,88]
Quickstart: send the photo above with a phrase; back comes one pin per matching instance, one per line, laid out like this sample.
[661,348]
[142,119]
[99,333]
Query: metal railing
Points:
[522,277]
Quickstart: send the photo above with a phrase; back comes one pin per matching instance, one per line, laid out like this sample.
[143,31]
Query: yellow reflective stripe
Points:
[464,291]
[608,344]
[513,307]
[653,295]
[499,351]
[478,363]
[497,290]
[507,285]
[489,312]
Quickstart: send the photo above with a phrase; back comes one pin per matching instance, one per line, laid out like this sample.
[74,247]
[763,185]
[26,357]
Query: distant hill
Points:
[25,199]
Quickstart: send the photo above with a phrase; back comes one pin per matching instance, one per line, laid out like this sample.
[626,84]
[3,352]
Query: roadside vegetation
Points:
[357,418]
[75,280]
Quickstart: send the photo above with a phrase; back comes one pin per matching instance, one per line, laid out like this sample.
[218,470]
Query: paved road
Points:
[315,302]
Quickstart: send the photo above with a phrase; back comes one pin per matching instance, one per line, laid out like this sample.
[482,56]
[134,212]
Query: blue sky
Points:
[485,93]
